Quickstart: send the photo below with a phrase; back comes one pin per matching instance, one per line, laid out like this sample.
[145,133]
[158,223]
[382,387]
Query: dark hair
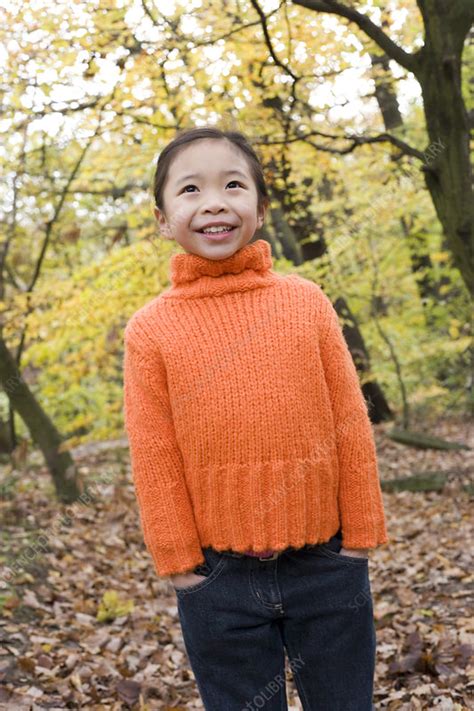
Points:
[185,137]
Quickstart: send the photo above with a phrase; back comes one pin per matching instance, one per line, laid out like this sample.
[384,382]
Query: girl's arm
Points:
[360,497]
[166,512]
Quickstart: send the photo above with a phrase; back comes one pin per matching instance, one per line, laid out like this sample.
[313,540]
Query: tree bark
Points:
[420,260]
[378,406]
[384,92]
[42,430]
[448,172]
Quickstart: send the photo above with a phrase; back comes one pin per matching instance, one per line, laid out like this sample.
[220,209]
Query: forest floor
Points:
[55,653]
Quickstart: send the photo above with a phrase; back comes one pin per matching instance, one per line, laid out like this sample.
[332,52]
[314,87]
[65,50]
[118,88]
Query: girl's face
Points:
[209,183]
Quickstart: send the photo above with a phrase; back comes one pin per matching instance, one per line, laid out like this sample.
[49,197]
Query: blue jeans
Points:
[312,602]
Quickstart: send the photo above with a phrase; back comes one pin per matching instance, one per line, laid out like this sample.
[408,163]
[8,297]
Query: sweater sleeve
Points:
[360,500]
[166,512]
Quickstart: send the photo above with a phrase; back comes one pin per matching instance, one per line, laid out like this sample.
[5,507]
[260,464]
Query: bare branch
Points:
[278,62]
[354,142]
[10,232]
[210,41]
[50,224]
[391,48]
[37,114]
[114,192]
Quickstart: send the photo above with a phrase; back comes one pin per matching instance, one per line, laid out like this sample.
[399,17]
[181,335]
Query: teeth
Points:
[217,229]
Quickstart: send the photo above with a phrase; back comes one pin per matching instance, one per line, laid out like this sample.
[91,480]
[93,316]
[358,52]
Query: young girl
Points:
[252,451]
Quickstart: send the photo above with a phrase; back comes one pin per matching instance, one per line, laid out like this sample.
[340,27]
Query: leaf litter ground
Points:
[85,623]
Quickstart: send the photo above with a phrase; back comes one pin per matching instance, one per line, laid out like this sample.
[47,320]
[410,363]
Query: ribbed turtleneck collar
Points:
[250,267]
[188,267]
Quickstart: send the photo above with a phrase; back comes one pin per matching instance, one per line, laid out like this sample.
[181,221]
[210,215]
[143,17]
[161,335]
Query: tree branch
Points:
[354,141]
[391,48]
[268,41]
[178,36]
[51,223]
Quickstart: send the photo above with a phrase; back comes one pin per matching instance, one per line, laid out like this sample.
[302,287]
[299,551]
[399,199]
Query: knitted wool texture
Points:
[246,422]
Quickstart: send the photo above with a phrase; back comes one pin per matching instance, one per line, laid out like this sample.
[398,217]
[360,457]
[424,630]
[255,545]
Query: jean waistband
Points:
[334,540]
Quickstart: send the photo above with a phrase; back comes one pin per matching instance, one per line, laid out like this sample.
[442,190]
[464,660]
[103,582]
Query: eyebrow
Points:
[233,171]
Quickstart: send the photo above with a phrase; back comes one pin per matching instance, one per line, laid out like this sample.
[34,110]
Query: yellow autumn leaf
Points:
[111,606]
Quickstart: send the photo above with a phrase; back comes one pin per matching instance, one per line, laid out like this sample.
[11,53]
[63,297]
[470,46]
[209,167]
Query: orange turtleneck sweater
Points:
[246,422]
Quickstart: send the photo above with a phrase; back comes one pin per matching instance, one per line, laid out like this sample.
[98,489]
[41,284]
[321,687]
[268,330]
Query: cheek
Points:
[180,216]
[249,211]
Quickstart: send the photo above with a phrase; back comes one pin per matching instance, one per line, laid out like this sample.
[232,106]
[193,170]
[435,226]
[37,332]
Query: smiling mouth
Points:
[216,232]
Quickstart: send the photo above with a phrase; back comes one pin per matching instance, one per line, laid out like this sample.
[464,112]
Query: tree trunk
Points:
[420,260]
[290,246]
[429,289]
[378,407]
[447,169]
[423,441]
[6,445]
[384,92]
[42,430]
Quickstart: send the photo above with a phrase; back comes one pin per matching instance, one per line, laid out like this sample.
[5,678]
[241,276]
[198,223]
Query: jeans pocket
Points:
[331,549]
[202,569]
[330,552]
[211,568]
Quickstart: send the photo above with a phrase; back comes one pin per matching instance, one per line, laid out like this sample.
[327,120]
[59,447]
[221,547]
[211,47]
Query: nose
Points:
[214,204]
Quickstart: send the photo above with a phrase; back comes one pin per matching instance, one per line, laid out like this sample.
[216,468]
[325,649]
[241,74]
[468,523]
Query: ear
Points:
[261,216]
[162,222]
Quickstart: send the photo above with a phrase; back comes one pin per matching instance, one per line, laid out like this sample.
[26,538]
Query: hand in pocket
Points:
[193,577]
[355,552]
[185,580]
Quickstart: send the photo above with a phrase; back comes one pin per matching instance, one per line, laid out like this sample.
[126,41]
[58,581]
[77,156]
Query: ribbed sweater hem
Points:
[267,506]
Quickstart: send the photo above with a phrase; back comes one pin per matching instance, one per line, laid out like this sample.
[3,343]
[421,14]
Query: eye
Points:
[235,181]
[187,186]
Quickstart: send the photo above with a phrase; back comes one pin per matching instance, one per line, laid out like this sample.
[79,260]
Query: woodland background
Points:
[362,114]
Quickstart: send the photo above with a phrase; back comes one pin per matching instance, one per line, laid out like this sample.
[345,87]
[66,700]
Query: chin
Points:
[216,250]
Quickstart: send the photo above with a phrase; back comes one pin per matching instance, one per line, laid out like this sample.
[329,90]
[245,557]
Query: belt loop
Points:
[273,556]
